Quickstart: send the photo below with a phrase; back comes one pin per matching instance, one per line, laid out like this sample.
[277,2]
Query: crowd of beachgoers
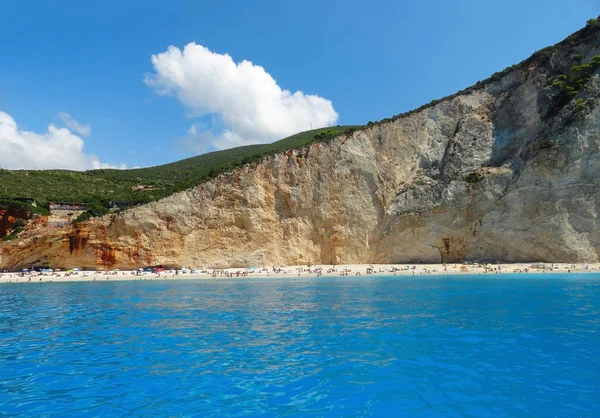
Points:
[76,274]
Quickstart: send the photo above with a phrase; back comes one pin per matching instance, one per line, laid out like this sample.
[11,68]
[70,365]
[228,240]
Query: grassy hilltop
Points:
[102,186]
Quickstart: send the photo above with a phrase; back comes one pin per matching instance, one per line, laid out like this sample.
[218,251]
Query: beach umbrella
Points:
[75,269]
[489,266]
[25,270]
[148,269]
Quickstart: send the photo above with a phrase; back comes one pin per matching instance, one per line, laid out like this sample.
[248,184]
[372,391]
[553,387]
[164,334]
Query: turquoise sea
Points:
[478,346]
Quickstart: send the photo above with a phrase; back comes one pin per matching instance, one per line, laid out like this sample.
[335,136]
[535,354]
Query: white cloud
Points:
[57,148]
[72,124]
[248,101]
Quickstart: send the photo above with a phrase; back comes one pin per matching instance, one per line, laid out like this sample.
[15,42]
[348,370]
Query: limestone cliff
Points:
[507,171]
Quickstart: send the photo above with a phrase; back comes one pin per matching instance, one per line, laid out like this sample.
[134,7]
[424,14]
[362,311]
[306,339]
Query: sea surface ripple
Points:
[354,346]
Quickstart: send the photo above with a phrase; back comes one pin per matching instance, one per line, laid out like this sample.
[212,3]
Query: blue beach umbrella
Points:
[148,269]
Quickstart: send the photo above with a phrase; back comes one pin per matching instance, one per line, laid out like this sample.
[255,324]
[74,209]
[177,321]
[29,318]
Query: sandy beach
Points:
[300,271]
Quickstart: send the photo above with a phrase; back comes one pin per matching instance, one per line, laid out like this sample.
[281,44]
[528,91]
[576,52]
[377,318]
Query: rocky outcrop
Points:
[9,217]
[500,172]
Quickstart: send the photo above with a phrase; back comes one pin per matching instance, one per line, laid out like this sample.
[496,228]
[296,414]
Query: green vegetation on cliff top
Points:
[105,185]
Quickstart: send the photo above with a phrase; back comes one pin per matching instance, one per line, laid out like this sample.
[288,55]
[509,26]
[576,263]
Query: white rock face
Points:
[485,175]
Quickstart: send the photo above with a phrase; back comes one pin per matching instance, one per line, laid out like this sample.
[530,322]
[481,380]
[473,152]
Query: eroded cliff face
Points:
[494,174]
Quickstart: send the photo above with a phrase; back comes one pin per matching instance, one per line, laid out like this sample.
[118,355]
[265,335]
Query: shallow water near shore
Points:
[481,346]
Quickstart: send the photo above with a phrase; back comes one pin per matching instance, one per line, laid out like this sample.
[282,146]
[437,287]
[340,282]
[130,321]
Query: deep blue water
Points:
[525,346]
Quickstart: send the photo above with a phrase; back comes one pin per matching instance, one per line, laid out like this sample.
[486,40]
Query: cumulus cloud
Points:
[57,148]
[73,125]
[251,107]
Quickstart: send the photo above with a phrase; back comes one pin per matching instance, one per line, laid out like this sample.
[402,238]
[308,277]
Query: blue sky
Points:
[364,60]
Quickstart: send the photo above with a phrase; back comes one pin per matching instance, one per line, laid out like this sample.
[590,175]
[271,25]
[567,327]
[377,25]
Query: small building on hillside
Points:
[57,207]
[29,200]
[117,205]
[144,187]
